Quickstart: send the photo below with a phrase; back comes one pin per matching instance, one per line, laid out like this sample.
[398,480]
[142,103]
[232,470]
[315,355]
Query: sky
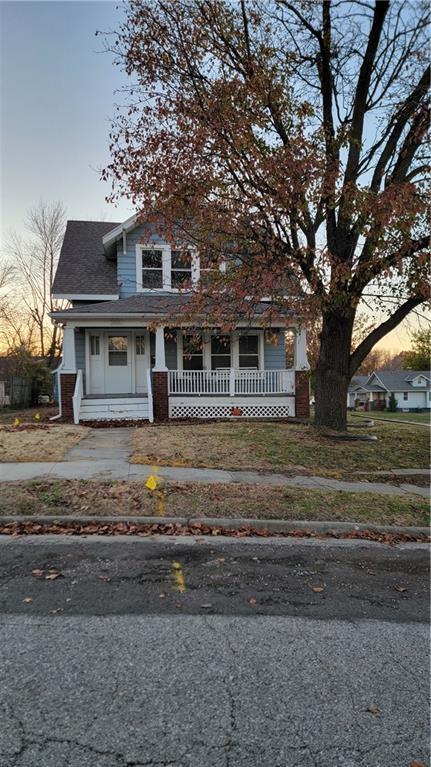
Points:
[57,97]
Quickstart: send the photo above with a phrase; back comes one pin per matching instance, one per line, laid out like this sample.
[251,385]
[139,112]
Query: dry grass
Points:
[121,498]
[279,447]
[26,415]
[43,443]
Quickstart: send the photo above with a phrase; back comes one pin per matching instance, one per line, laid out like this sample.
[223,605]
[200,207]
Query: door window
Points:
[140,344]
[94,346]
[117,351]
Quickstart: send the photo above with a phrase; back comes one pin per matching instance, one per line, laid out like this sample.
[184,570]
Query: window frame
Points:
[234,348]
[166,267]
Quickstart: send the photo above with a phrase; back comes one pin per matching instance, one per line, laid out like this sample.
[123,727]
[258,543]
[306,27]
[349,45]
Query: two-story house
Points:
[123,359]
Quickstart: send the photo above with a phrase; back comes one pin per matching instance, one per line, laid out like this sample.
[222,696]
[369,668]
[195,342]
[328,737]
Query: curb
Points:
[272,525]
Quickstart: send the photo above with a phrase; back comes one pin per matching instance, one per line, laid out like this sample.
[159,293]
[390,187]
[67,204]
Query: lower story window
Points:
[249,352]
[117,351]
[193,358]
[220,352]
[405,395]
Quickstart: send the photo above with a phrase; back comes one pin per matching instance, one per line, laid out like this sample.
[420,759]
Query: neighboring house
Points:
[411,388]
[122,358]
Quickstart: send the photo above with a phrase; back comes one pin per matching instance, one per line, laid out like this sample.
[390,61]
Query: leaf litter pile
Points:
[197,529]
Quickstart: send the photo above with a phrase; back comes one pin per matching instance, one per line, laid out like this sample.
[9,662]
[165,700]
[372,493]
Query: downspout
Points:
[57,371]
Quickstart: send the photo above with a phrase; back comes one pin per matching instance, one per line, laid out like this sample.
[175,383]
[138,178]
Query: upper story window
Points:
[160,268]
[181,269]
[151,268]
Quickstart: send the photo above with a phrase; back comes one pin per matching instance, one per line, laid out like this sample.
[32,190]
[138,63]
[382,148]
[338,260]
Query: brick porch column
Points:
[160,396]
[67,386]
[302,394]
[68,373]
[160,379]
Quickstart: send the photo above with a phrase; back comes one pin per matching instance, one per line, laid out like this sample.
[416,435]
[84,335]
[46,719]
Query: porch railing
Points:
[77,396]
[230,382]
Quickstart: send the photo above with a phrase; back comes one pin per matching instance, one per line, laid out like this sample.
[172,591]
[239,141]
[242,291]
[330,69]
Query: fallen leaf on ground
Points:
[52,575]
[317,589]
[417,764]
[373,709]
[252,601]
[27,600]
[56,610]
[206,606]
[37,573]
[162,596]
[399,588]
[104,578]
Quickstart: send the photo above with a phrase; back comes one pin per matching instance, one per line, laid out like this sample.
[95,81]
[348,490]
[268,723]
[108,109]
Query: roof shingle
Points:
[83,268]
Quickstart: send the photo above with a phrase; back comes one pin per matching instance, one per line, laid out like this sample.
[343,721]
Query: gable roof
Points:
[396,380]
[83,268]
[357,382]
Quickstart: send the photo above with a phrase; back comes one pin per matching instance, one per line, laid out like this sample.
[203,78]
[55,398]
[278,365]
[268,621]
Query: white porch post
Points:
[160,363]
[301,359]
[69,360]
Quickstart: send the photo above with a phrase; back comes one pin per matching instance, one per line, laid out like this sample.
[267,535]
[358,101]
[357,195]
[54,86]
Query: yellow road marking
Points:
[180,581]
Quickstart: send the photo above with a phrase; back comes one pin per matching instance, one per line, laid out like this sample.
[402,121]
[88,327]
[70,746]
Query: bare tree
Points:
[34,259]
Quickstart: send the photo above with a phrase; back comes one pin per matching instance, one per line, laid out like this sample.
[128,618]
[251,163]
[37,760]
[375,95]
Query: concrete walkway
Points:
[104,455]
[120,468]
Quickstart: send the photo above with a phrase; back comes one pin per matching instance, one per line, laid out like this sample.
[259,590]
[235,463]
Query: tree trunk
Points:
[332,372]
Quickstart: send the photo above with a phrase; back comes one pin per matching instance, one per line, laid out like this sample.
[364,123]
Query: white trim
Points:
[166,267]
[234,348]
[115,233]
[86,296]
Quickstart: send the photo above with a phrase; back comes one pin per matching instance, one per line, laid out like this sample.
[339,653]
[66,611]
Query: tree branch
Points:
[378,333]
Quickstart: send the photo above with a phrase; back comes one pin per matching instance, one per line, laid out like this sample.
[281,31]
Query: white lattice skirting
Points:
[193,409]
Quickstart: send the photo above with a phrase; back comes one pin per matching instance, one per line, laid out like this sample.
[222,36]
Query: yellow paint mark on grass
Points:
[178,575]
[152,482]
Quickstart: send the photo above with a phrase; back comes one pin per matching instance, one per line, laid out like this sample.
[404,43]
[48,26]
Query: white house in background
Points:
[411,388]
[123,358]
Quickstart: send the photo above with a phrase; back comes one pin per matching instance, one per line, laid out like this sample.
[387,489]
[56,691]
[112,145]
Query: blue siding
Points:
[126,264]
[80,349]
[274,355]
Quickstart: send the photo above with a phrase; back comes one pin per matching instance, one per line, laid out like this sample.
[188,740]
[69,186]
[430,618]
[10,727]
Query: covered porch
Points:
[118,371]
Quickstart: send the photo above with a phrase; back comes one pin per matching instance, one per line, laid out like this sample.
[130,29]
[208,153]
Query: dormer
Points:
[420,380]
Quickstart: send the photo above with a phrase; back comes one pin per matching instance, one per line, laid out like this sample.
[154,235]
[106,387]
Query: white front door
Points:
[118,368]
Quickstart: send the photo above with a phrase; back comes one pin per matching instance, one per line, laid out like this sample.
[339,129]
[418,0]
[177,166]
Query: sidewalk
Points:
[120,468]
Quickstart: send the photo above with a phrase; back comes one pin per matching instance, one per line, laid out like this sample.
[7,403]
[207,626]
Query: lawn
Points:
[281,447]
[407,417]
[120,498]
[27,415]
[38,442]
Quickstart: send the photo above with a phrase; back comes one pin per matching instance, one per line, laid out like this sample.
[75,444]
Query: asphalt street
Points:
[197,653]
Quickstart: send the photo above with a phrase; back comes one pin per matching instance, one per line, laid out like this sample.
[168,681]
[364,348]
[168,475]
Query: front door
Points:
[118,371]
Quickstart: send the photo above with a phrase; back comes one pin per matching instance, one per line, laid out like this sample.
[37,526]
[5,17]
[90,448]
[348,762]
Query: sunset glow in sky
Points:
[58,95]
